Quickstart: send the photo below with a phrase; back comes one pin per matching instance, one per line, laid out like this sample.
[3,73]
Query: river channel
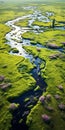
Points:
[14,39]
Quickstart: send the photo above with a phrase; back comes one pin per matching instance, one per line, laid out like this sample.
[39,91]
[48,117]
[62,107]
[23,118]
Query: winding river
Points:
[14,39]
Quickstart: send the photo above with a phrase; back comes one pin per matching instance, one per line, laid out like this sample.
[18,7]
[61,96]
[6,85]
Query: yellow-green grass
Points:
[16,69]
[12,68]
[3,30]
[22,23]
[57,8]
[11,11]
[48,24]
[54,75]
[42,24]
[51,36]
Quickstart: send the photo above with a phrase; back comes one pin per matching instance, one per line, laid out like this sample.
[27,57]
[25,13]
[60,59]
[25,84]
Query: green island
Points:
[32,65]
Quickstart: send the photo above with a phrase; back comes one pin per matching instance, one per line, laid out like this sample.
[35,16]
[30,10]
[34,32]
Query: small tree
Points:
[53,23]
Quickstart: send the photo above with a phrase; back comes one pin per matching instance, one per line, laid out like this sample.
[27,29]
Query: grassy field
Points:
[53,73]
[15,78]
[10,65]
[54,76]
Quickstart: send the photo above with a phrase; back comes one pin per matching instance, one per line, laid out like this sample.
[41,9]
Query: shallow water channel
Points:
[14,39]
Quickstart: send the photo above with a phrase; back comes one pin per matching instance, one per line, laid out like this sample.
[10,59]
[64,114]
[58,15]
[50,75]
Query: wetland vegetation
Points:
[32,65]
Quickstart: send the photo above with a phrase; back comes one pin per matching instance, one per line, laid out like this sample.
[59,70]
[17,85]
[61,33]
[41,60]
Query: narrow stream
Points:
[32,95]
[14,40]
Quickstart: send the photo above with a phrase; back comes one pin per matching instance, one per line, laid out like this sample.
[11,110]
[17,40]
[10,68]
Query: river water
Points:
[15,40]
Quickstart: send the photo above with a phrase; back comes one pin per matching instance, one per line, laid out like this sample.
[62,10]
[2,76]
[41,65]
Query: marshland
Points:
[32,65]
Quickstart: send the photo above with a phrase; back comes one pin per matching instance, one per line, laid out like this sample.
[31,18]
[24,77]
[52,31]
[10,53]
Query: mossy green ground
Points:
[50,36]
[16,69]
[22,23]
[21,82]
[54,75]
[57,8]
[10,68]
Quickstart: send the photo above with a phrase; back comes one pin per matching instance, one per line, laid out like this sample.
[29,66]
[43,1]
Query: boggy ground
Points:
[14,82]
[54,75]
